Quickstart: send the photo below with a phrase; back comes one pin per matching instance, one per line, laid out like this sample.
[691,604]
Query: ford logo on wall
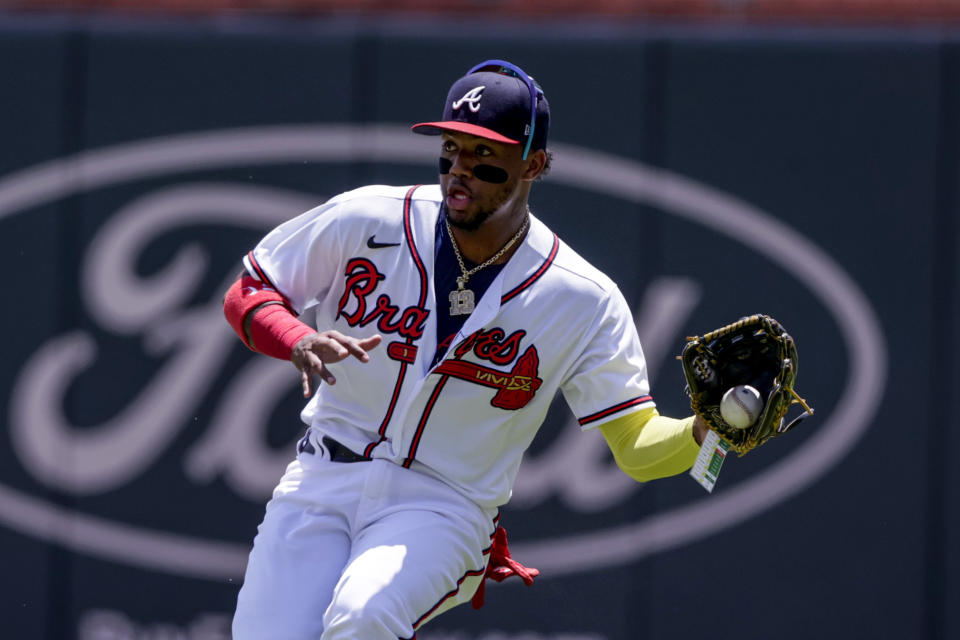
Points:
[182,425]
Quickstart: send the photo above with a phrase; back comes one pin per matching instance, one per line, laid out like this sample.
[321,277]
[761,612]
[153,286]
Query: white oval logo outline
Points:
[576,166]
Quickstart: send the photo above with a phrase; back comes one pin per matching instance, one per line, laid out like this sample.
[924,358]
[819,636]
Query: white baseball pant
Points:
[359,551]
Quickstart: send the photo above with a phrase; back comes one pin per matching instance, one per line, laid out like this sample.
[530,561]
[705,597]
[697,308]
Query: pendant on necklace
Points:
[461,300]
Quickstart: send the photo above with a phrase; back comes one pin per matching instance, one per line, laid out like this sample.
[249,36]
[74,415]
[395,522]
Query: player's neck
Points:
[480,244]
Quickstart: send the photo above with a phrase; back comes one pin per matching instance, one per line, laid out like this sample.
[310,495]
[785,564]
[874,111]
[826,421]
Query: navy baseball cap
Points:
[496,100]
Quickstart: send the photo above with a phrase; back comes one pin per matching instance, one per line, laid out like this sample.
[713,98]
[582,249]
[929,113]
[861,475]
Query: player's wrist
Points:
[275,331]
[263,319]
[700,430]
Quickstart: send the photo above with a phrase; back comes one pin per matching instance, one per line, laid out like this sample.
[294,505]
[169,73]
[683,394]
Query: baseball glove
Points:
[753,351]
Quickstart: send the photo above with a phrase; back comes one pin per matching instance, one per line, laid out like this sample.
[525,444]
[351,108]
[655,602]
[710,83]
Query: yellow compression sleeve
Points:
[648,446]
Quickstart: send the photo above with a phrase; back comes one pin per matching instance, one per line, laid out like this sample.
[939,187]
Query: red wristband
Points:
[274,328]
[275,331]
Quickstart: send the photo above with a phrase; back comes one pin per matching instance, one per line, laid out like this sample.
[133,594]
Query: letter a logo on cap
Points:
[472,98]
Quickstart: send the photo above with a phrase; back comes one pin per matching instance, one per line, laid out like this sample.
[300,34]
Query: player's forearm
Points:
[263,319]
[647,446]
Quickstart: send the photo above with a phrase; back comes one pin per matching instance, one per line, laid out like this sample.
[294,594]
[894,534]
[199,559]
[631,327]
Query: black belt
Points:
[339,453]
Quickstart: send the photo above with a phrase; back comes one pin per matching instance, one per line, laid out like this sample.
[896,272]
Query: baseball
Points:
[741,406]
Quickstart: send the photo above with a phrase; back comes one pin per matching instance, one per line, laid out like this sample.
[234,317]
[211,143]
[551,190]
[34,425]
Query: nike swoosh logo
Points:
[373,244]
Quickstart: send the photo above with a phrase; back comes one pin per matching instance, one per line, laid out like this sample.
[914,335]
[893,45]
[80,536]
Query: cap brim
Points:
[436,128]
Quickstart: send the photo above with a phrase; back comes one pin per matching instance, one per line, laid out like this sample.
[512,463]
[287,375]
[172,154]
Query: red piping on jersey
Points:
[386,418]
[536,276]
[423,421]
[260,272]
[408,232]
[593,417]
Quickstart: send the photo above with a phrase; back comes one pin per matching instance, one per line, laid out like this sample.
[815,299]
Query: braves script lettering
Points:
[492,346]
[362,278]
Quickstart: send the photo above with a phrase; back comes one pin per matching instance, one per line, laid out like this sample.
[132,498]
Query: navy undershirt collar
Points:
[445,273]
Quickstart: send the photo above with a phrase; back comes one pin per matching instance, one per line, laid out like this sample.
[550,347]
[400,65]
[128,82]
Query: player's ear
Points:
[534,164]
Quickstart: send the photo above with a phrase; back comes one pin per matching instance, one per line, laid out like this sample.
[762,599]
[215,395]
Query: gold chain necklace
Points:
[462,300]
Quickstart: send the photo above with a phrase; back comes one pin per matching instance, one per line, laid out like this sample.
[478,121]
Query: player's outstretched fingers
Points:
[310,365]
[308,356]
[312,352]
[367,344]
[357,347]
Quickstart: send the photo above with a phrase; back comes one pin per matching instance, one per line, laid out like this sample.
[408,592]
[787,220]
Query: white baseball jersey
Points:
[363,264]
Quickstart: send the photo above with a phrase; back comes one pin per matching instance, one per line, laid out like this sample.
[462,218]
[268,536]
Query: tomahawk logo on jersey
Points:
[516,387]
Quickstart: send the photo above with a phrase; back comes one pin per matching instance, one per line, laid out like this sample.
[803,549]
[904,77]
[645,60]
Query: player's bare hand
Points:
[700,429]
[313,352]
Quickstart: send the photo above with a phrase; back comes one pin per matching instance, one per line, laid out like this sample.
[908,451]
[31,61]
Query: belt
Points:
[339,453]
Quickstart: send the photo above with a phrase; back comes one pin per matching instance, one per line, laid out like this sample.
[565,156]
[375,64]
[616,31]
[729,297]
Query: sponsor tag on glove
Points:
[713,452]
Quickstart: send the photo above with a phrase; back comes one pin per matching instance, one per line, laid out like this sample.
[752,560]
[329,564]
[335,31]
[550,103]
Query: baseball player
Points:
[432,326]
